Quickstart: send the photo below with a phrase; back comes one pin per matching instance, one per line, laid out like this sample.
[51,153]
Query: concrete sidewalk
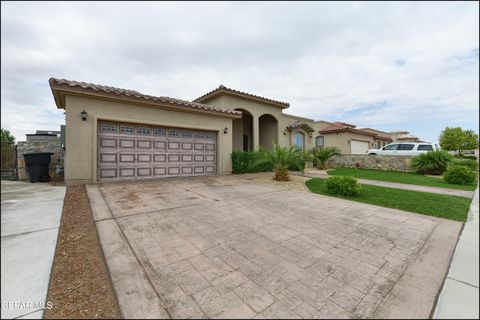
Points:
[30,219]
[460,294]
[451,192]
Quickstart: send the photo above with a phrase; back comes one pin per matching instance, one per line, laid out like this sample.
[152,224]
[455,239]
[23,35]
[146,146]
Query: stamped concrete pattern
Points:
[225,247]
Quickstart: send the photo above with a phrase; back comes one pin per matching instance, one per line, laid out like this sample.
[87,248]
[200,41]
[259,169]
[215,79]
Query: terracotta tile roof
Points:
[381,135]
[345,127]
[63,85]
[407,138]
[222,89]
[300,124]
[337,127]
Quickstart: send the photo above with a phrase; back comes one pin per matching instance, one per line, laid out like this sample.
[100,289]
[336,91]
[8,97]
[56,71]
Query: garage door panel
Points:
[187,146]
[144,144]
[144,172]
[159,171]
[187,158]
[127,143]
[173,145]
[108,142]
[108,158]
[144,157]
[359,147]
[127,158]
[159,144]
[128,151]
[210,169]
[159,158]
[127,172]
[108,172]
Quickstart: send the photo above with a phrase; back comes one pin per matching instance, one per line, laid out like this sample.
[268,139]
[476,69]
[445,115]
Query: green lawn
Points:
[399,177]
[432,204]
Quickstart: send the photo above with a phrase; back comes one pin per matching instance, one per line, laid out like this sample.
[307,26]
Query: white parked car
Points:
[404,149]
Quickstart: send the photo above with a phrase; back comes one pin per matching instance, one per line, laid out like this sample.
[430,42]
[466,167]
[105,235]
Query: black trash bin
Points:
[37,165]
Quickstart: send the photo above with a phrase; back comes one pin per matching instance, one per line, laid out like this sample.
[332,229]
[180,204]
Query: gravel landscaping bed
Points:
[80,285]
[296,183]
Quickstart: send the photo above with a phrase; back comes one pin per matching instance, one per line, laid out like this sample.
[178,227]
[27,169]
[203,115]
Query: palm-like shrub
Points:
[321,155]
[283,158]
[432,162]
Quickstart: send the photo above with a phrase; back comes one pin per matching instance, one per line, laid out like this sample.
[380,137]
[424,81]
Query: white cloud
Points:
[329,60]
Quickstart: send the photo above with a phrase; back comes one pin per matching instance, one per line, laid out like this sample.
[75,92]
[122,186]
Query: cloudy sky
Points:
[412,66]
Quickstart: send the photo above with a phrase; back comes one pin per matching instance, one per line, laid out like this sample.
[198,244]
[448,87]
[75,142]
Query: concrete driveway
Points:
[225,247]
[30,220]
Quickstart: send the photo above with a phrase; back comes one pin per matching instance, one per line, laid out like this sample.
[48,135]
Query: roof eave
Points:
[211,95]
[59,91]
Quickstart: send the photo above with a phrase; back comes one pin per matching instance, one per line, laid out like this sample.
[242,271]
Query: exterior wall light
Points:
[84,115]
[311,135]
[284,132]
[225,131]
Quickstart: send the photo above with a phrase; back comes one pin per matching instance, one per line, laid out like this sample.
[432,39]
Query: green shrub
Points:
[299,166]
[472,164]
[344,186]
[457,174]
[432,162]
[248,162]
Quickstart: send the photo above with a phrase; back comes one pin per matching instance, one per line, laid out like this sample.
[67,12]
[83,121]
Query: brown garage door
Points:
[133,151]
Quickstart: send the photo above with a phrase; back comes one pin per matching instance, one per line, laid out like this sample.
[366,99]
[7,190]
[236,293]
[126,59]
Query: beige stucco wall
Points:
[81,136]
[258,109]
[242,127]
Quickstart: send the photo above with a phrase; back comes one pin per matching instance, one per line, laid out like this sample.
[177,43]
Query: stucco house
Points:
[403,136]
[348,138]
[117,134]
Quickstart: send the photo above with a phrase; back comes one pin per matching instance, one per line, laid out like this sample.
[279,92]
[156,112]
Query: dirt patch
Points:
[80,285]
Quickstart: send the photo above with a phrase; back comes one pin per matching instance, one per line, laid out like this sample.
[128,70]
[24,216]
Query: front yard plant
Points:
[248,162]
[344,186]
[321,155]
[458,174]
[432,162]
[470,163]
[432,204]
[282,159]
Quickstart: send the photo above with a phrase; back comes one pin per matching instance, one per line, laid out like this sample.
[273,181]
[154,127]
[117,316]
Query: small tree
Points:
[6,136]
[456,139]
[323,154]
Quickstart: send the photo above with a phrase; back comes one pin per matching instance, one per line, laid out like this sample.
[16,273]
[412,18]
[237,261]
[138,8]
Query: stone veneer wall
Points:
[51,145]
[392,163]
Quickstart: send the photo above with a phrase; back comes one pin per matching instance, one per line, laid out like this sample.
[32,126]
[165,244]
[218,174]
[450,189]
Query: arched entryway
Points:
[268,131]
[243,132]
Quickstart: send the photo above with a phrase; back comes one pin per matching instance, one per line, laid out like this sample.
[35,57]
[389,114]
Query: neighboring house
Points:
[403,136]
[42,141]
[117,134]
[349,139]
